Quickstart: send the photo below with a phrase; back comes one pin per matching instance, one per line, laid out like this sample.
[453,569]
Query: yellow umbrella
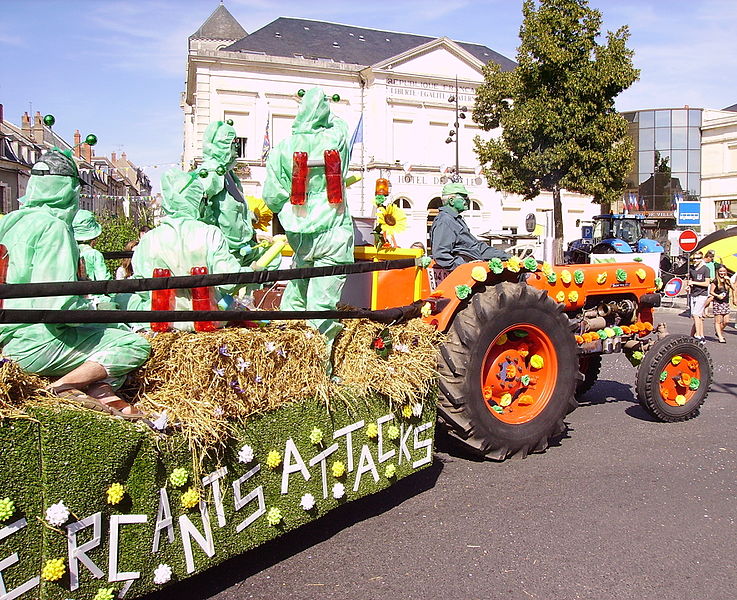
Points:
[724,244]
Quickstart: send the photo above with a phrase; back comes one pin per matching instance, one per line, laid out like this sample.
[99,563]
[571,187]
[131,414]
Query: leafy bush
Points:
[117,231]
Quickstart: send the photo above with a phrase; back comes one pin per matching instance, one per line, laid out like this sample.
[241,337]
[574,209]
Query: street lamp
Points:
[453,134]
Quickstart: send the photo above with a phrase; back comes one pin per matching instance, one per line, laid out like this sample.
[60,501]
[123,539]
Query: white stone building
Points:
[719,169]
[397,84]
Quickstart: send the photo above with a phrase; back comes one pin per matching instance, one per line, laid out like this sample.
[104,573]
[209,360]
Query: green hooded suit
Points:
[320,233]
[41,248]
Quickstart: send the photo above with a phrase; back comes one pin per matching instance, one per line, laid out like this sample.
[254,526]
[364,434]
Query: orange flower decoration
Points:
[626,329]
[579,339]
[685,379]
[693,364]
[647,325]
[525,400]
[523,350]
[488,393]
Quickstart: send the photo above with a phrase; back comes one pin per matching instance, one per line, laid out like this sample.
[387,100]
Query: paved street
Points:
[623,508]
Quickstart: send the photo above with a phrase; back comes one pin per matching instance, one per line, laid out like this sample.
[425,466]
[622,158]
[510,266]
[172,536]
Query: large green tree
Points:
[560,129]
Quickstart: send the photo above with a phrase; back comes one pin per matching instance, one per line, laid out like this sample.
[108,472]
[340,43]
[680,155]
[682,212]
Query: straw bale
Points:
[18,388]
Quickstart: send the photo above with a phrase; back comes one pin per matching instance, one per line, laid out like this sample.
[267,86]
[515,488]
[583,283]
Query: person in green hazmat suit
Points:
[225,205]
[86,231]
[320,233]
[179,243]
[41,248]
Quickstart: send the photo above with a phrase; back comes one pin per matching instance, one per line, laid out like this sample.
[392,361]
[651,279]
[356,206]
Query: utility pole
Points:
[454,134]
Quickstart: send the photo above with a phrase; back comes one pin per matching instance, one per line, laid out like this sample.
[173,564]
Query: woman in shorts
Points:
[720,292]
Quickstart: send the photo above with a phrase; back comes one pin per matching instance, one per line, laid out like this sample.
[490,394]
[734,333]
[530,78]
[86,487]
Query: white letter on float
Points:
[321,458]
[188,530]
[9,561]
[419,444]
[365,464]
[241,502]
[78,554]
[384,456]
[115,522]
[163,520]
[290,450]
[214,480]
[403,438]
[347,431]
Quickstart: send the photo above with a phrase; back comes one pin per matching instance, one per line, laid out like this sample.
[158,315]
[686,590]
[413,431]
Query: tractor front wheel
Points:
[508,372]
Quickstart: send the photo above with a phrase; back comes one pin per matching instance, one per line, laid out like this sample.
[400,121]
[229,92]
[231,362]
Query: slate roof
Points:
[220,25]
[290,37]
[733,108]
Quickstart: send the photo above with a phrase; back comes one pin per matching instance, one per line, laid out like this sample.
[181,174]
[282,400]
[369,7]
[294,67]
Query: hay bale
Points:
[18,388]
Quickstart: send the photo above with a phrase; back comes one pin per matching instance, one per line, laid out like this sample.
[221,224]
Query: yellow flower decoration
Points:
[115,493]
[372,431]
[573,296]
[680,399]
[506,399]
[316,436]
[191,497]
[104,593]
[390,470]
[641,274]
[502,339]
[546,268]
[560,296]
[478,274]
[514,264]
[525,400]
[338,469]
[601,278]
[426,310]
[391,219]
[273,460]
[274,516]
[261,214]
[676,360]
[537,361]
[565,276]
[53,570]
[407,411]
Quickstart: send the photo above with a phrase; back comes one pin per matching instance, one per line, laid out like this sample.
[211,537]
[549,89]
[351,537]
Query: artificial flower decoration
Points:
[578,276]
[57,514]
[617,330]
[621,275]
[609,332]
[676,360]
[219,371]
[372,431]
[274,516]
[519,333]
[694,384]
[560,296]
[537,361]
[424,262]
[269,346]
[514,264]
[391,219]
[693,364]
[178,477]
[407,411]
[602,334]
[530,263]
[392,432]
[496,265]
[525,380]
[523,349]
[53,570]
[241,364]
[478,274]
[636,357]
[658,283]
[382,343]
[680,399]
[390,470]
[307,502]
[684,380]
[426,310]
[191,497]
[525,400]
[488,392]
[601,278]
[546,268]
[338,491]
[104,594]
[417,409]
[463,291]
[511,371]
[115,493]
[162,574]
[7,508]
[497,409]
[573,296]
[663,375]
[565,276]
[579,339]
[273,460]
[502,339]
[316,436]
[403,348]
[626,329]
[641,274]
[505,400]
[552,278]
[245,454]
[338,469]
[637,259]
[261,214]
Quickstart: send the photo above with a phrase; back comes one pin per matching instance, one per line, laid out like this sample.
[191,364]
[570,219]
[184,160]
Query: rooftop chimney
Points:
[77,141]
[1,114]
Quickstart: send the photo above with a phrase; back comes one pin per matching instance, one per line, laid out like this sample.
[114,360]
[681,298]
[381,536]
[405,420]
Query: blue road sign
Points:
[688,214]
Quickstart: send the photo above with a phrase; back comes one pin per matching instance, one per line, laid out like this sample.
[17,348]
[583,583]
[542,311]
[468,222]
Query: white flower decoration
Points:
[218,411]
[270,346]
[401,348]
[162,574]
[417,409]
[219,371]
[338,490]
[242,364]
[307,502]
[309,335]
[57,514]
[246,454]
[391,370]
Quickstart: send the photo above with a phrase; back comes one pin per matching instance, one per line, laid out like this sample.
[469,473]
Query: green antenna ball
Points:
[230,122]
[91,139]
[220,170]
[49,120]
[301,93]
[203,173]
[336,98]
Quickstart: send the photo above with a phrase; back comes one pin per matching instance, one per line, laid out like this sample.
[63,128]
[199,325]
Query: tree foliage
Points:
[560,129]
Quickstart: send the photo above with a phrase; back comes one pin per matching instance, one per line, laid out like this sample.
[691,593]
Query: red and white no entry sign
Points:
[688,240]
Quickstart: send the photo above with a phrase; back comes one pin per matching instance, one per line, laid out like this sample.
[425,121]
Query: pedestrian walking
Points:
[721,292]
[697,284]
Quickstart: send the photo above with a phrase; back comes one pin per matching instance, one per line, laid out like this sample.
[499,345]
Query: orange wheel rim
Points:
[518,373]
[680,380]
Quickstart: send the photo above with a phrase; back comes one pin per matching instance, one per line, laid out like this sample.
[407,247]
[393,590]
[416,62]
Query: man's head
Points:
[697,258]
[709,256]
[455,195]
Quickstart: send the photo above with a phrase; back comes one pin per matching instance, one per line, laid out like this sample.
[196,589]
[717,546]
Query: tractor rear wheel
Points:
[590,367]
[508,372]
[674,378]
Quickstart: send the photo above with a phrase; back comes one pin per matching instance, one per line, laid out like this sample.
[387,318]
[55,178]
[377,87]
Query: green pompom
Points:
[602,334]
[530,263]
[497,409]
[7,508]
[463,291]
[496,265]
[663,376]
[617,330]
[179,477]
[694,383]
[578,276]
[621,275]
[552,277]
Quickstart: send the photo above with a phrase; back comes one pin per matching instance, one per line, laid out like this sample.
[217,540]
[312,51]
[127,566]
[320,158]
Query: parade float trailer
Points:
[95,507]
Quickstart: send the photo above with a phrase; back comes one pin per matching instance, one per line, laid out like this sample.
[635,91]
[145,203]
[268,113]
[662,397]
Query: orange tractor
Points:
[523,339]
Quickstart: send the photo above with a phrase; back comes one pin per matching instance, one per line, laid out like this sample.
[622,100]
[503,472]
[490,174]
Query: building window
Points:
[240,144]
[403,203]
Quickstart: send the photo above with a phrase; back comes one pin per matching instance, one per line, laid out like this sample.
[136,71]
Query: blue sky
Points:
[116,67]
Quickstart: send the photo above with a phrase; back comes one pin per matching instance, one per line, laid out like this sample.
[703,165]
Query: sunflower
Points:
[261,214]
[391,219]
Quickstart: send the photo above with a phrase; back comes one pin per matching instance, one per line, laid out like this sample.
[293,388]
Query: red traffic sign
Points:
[688,240]
[673,287]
